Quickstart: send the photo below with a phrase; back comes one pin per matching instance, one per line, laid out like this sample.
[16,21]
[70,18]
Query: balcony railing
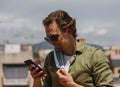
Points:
[16,81]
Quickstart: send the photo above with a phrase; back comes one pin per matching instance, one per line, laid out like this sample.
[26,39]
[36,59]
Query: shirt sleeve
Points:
[102,74]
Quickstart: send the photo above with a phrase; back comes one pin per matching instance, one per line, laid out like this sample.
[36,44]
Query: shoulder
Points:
[97,54]
[49,60]
[87,49]
[49,57]
[91,53]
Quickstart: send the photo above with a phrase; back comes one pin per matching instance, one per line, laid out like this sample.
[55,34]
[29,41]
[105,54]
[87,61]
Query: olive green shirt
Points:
[90,68]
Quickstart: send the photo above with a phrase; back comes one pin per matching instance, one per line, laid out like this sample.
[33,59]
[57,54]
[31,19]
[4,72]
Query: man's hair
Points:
[63,20]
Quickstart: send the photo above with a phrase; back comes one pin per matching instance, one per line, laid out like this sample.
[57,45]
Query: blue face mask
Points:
[58,56]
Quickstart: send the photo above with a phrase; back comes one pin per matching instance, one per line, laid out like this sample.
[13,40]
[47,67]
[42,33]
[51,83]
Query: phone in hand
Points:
[30,62]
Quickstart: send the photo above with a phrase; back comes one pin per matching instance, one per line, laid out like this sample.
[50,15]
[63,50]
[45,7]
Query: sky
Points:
[98,21]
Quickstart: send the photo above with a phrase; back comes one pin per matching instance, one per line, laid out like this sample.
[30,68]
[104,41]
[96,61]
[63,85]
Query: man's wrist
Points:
[73,84]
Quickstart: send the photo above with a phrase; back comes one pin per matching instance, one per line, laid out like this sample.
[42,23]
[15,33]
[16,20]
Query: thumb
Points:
[62,71]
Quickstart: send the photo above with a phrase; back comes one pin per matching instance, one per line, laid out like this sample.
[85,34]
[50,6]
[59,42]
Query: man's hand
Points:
[35,74]
[66,79]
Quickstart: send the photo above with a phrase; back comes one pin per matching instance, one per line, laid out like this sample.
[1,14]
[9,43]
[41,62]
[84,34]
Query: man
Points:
[84,66]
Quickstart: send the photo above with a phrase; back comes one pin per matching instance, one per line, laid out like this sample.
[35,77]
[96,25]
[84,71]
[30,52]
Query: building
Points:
[113,53]
[13,72]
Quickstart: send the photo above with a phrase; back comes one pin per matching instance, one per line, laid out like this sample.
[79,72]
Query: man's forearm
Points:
[73,84]
[37,83]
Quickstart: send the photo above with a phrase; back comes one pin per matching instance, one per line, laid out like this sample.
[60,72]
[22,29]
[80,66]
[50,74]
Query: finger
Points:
[35,70]
[39,65]
[63,72]
[40,74]
[60,73]
[31,67]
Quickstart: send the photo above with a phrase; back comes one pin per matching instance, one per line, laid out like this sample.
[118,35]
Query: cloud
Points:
[95,28]
[13,22]
[17,29]
[102,32]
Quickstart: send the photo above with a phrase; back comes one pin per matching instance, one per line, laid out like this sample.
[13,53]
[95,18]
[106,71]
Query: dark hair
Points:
[63,20]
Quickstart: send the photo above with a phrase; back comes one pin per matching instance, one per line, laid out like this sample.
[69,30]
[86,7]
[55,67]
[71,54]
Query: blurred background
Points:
[22,34]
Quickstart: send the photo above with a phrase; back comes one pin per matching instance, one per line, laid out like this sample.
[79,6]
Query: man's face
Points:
[63,41]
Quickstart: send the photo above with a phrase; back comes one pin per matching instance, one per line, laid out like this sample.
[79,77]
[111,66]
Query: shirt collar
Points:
[79,48]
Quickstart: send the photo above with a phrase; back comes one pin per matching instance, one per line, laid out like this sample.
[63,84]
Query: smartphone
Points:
[29,62]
